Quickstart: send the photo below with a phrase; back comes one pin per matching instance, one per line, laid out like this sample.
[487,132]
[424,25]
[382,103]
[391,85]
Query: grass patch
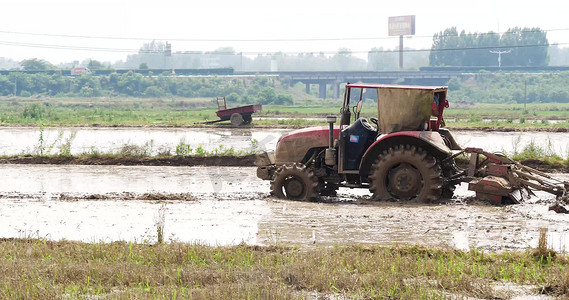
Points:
[187,112]
[532,151]
[40,269]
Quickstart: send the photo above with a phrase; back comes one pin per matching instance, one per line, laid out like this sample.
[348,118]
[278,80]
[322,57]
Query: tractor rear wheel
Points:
[294,182]
[406,173]
[236,119]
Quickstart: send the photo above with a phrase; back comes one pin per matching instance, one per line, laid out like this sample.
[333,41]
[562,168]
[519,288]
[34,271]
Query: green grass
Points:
[40,269]
[188,112]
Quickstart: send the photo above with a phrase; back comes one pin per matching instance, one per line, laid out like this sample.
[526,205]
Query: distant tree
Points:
[152,47]
[233,97]
[224,50]
[7,63]
[342,58]
[267,95]
[558,56]
[527,46]
[143,66]
[441,51]
[153,91]
[35,64]
[381,60]
[96,65]
[284,99]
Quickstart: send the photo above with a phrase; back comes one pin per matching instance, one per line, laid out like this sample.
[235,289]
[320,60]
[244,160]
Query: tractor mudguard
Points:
[449,139]
[430,141]
[293,147]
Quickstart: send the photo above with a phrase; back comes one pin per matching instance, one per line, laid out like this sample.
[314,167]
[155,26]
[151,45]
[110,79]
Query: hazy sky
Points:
[67,30]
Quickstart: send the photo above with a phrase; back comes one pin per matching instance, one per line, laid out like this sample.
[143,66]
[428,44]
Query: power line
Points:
[123,50]
[64,47]
[261,40]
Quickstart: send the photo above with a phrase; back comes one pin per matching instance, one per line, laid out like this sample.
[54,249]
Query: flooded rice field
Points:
[17,140]
[30,140]
[228,205]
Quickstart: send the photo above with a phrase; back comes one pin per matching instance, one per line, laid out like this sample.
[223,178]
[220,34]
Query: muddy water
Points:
[510,142]
[15,140]
[232,206]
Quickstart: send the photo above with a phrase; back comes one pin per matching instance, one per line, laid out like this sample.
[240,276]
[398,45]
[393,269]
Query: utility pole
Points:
[525,93]
[500,56]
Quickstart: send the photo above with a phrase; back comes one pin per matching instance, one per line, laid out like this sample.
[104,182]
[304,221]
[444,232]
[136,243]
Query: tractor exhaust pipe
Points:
[330,157]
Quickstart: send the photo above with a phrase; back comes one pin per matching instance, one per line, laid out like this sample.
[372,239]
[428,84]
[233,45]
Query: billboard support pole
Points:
[400,26]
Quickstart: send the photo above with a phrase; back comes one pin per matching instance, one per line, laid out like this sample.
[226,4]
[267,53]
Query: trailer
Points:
[238,115]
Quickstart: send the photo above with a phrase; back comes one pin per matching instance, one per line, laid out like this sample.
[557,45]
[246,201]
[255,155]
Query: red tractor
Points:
[391,140]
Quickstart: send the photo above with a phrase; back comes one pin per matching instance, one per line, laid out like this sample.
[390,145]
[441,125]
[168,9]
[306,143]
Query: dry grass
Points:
[39,269]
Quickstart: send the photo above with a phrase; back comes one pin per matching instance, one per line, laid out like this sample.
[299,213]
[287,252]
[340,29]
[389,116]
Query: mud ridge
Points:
[225,161]
[509,129]
[126,197]
[537,164]
[208,161]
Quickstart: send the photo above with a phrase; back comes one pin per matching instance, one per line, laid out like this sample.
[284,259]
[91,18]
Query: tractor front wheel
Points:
[294,182]
[406,173]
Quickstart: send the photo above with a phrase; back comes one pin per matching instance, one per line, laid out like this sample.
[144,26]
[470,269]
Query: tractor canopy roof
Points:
[397,86]
[404,107]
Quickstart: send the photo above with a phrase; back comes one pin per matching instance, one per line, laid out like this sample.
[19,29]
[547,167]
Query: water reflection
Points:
[18,140]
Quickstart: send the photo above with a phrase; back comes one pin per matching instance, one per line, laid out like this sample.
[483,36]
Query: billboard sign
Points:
[402,25]
[79,71]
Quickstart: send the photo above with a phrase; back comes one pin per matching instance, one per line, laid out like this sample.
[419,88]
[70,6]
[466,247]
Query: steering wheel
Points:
[367,125]
[375,121]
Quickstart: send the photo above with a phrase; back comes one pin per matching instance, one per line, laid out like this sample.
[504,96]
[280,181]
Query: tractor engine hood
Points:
[294,146]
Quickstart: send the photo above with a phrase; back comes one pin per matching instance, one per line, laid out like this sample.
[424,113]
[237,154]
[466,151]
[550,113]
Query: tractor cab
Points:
[393,108]
[371,112]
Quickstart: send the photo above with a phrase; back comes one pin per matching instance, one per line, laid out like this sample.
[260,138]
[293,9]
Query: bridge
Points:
[336,79]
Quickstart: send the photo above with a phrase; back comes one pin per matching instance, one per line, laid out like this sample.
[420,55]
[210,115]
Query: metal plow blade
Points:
[500,180]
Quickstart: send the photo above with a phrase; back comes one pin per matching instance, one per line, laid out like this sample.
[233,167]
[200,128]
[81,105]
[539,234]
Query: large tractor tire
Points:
[294,182]
[406,173]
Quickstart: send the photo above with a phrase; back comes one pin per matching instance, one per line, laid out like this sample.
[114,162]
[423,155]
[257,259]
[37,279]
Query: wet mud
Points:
[229,205]
[246,160]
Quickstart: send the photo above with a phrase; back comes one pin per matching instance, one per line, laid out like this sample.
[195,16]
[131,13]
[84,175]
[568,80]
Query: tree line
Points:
[249,90]
[511,88]
[516,47]
[484,87]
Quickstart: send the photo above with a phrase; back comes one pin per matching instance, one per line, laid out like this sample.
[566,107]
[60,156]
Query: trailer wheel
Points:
[247,119]
[294,182]
[236,119]
[406,173]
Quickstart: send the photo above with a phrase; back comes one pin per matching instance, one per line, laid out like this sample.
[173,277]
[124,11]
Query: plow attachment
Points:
[500,180]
